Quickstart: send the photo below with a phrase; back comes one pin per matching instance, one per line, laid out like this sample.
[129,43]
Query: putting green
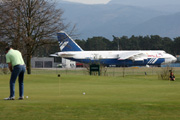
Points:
[134,97]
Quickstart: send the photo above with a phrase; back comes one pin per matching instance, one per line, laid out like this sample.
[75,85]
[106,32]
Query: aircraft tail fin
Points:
[66,43]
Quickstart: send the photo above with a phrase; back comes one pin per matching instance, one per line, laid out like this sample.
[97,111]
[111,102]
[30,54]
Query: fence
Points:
[106,71]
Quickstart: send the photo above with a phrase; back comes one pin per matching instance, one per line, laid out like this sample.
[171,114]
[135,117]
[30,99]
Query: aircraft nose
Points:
[170,59]
[174,59]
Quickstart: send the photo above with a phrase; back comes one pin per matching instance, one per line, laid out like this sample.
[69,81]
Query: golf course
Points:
[75,95]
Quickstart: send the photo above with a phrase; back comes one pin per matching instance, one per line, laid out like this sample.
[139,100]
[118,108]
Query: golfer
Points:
[16,66]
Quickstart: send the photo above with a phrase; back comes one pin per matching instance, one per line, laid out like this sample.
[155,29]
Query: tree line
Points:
[152,42]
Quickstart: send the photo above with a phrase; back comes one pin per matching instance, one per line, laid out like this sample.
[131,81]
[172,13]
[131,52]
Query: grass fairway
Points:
[107,98]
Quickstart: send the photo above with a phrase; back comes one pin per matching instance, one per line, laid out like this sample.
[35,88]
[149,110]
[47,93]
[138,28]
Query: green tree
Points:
[97,43]
[81,43]
[167,45]
[144,43]
[156,42]
[134,43]
[176,46]
[124,43]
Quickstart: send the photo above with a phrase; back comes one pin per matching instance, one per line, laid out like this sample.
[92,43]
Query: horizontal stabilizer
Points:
[66,55]
[54,55]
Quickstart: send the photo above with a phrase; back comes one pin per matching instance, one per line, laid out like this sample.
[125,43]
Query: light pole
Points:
[117,38]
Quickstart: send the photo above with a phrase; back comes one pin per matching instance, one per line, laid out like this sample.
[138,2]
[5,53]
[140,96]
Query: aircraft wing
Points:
[54,55]
[135,56]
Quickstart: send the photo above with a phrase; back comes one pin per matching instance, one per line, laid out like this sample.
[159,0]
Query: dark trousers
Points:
[18,71]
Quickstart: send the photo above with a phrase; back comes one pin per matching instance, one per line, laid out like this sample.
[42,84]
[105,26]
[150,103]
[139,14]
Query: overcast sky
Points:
[90,1]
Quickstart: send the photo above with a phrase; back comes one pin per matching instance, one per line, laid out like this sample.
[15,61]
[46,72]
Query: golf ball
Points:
[84,93]
[26,96]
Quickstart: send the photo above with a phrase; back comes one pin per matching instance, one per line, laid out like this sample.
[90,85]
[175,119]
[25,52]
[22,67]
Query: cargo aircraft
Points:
[72,51]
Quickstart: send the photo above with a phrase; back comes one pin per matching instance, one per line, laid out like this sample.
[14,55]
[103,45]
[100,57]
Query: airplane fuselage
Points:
[117,57]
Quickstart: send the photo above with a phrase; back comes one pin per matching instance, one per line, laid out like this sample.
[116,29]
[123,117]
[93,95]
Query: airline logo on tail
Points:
[63,44]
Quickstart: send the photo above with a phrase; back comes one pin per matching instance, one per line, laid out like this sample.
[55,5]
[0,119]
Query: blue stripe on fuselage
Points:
[153,61]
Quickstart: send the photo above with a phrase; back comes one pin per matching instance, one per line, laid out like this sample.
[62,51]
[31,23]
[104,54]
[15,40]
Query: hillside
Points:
[167,25]
[169,6]
[117,19]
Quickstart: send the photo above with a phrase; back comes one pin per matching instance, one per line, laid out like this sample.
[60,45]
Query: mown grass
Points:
[133,97]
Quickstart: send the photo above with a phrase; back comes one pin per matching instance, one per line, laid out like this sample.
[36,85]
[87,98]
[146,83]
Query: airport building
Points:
[46,62]
[51,62]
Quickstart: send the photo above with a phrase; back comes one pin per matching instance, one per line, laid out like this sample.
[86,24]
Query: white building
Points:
[51,62]
[68,63]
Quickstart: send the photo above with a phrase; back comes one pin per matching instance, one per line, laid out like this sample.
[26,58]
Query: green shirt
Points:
[14,57]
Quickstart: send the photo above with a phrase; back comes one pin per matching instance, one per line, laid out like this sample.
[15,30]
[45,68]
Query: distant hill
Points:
[161,5]
[117,19]
[167,25]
